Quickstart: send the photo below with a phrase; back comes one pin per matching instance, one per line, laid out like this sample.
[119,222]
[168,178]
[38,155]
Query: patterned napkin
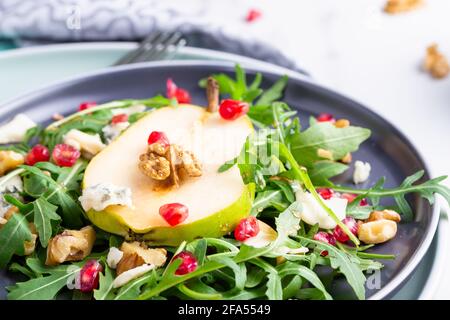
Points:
[231,25]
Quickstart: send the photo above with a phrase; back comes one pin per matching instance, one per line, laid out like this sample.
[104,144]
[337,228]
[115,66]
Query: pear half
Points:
[216,201]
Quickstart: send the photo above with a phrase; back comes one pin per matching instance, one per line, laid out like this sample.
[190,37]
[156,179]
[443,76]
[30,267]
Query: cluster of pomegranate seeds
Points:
[247,228]
[173,92]
[340,235]
[174,213]
[325,117]
[189,263]
[86,105]
[89,275]
[38,153]
[350,197]
[253,15]
[118,118]
[326,238]
[158,137]
[65,155]
[325,193]
[232,109]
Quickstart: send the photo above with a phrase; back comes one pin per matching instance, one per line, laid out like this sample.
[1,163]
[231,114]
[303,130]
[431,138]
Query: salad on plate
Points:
[161,199]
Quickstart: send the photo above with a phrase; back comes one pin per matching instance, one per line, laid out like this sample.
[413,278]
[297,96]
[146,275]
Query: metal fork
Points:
[156,46]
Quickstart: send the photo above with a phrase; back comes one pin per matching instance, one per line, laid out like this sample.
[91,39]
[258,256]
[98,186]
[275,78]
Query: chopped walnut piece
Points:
[385,214]
[399,6]
[136,254]
[70,245]
[347,158]
[154,166]
[10,160]
[187,161]
[342,123]
[169,165]
[436,63]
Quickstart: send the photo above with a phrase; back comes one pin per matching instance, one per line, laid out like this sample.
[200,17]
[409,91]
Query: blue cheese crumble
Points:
[102,195]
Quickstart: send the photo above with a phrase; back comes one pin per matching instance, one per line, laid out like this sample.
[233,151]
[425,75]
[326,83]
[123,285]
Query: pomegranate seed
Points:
[189,263]
[174,213]
[89,275]
[38,153]
[253,15]
[232,109]
[325,117]
[158,136]
[173,92]
[325,193]
[65,155]
[340,235]
[351,196]
[118,118]
[363,202]
[326,238]
[247,228]
[86,105]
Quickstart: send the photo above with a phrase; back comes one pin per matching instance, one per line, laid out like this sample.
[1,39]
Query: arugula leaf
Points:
[12,238]
[44,212]
[290,268]
[267,199]
[45,287]
[346,265]
[273,93]
[105,288]
[274,288]
[131,290]
[425,190]
[338,141]
[321,171]
[57,194]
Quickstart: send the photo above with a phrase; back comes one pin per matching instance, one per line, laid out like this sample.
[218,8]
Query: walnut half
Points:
[169,165]
[70,245]
[136,254]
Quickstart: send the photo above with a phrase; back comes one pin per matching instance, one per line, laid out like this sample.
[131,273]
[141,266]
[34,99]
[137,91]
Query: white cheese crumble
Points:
[15,130]
[13,184]
[112,131]
[131,274]
[102,195]
[87,142]
[114,257]
[130,110]
[313,213]
[362,172]
[287,250]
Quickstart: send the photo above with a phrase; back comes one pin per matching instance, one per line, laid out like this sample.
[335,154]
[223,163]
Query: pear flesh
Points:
[216,201]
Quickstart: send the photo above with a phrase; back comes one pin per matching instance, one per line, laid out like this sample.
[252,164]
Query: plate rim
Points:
[402,275]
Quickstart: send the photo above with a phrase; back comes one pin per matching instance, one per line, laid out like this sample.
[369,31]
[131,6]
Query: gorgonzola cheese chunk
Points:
[15,130]
[102,195]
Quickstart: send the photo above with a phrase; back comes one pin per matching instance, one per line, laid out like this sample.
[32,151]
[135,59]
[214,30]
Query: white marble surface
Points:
[353,47]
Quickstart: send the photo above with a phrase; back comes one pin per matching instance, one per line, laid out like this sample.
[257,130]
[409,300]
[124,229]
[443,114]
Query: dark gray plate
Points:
[389,152]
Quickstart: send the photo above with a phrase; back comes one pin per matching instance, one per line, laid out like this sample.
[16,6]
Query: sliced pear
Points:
[216,201]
